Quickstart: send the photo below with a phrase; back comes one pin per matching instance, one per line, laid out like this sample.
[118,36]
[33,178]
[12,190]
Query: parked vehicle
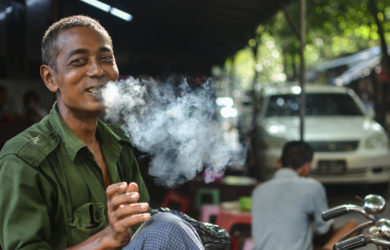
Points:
[350,146]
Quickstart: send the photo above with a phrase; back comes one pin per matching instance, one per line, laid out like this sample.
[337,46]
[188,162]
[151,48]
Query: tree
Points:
[334,29]
[381,86]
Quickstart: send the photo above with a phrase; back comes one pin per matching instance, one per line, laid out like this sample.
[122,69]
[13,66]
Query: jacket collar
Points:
[72,143]
[285,173]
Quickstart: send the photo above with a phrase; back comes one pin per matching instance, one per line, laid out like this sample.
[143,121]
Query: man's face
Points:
[84,64]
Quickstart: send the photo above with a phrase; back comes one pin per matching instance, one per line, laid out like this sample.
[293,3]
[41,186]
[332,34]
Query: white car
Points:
[349,146]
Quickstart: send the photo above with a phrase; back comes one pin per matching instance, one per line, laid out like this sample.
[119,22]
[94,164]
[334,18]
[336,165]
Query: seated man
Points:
[287,208]
[72,180]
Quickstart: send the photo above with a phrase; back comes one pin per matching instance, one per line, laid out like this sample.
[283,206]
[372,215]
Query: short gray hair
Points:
[49,49]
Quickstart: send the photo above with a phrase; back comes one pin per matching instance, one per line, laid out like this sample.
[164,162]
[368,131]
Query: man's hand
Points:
[124,211]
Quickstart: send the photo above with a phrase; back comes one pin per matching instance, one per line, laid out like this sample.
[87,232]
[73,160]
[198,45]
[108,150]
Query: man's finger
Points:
[132,187]
[123,224]
[116,188]
[131,209]
[124,199]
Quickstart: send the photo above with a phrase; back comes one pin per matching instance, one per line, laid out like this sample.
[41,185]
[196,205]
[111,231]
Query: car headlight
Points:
[377,141]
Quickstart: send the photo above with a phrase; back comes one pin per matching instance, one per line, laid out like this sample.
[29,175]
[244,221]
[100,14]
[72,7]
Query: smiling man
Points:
[72,180]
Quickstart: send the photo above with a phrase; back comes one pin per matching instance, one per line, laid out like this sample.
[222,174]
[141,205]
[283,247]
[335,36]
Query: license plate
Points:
[331,167]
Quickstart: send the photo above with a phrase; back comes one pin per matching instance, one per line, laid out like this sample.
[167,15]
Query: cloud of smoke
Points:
[175,125]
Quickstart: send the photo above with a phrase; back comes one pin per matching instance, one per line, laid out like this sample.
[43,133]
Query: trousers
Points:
[165,231]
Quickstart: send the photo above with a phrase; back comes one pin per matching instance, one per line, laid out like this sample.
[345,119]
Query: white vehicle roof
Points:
[296,89]
[310,88]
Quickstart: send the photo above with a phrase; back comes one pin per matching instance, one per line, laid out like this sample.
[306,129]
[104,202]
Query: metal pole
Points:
[302,69]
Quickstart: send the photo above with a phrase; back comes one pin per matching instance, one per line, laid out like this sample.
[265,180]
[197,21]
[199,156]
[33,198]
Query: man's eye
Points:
[108,58]
[78,61]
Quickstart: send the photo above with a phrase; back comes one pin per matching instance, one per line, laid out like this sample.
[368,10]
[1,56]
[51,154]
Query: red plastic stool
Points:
[208,210]
[248,244]
[172,197]
[227,219]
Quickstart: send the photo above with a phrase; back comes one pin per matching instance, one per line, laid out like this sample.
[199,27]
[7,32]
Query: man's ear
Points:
[47,75]
[279,163]
[304,171]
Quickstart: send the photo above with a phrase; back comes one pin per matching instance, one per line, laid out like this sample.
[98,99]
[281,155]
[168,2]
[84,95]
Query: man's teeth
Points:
[93,90]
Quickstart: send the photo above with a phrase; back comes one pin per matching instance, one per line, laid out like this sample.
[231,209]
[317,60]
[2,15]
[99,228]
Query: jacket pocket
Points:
[88,219]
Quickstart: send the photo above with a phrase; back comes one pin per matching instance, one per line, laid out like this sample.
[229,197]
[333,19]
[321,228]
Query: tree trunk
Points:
[381,109]
[294,67]
[381,33]
[256,146]
[291,23]
[285,63]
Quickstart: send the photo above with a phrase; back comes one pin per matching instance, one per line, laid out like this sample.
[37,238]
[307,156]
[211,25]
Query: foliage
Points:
[334,28]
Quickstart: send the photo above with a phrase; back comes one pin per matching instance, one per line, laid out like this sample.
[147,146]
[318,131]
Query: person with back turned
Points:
[71,180]
[287,209]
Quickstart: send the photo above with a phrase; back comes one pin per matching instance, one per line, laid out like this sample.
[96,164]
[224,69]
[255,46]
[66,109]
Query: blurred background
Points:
[265,59]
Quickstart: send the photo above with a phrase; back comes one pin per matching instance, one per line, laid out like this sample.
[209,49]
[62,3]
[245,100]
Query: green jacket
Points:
[52,192]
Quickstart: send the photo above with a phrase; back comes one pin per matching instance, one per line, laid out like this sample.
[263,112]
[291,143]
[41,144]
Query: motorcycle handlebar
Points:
[360,241]
[344,209]
[334,212]
[351,243]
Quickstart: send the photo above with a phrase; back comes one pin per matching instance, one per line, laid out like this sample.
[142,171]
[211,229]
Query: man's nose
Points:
[95,69]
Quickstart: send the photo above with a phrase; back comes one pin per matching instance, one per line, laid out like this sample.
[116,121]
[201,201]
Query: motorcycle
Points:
[379,231]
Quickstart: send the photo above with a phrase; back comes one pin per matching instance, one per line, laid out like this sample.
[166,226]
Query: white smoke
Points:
[175,125]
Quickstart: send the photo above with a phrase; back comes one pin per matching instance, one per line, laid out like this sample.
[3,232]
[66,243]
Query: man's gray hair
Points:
[49,49]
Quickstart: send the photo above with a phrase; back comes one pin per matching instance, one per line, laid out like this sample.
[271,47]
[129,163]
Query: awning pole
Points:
[302,68]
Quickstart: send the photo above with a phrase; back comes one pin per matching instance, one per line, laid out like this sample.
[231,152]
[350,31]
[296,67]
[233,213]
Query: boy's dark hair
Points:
[295,154]
[48,46]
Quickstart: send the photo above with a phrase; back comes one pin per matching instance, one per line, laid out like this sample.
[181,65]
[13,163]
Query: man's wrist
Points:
[108,242]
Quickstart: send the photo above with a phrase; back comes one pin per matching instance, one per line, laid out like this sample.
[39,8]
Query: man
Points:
[287,208]
[72,180]
[31,111]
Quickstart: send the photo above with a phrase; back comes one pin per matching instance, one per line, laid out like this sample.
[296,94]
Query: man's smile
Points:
[94,90]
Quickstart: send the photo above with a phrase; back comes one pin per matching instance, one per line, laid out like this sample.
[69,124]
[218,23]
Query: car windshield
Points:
[316,105]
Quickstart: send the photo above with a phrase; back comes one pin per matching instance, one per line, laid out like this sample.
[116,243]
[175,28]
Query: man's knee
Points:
[166,231]
[173,227]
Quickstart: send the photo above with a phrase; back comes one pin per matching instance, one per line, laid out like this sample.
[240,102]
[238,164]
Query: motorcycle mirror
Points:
[374,204]
[384,226]
[374,230]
